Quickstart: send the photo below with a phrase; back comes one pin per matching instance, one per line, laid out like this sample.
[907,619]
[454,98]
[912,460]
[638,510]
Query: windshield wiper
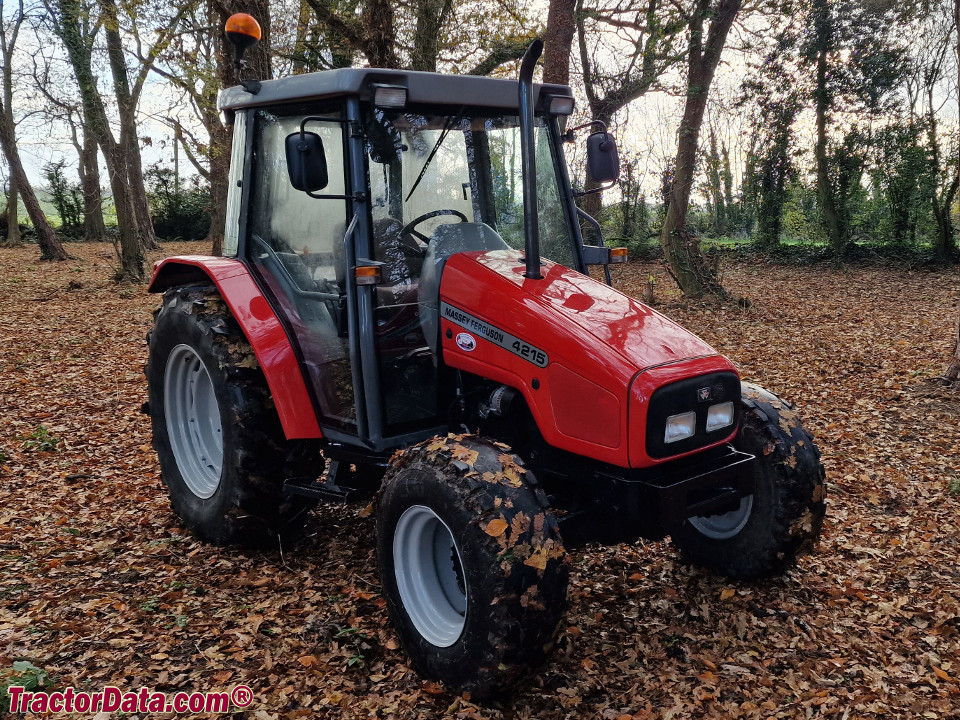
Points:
[451,121]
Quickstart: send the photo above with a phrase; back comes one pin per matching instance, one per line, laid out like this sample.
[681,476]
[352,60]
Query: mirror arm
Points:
[356,197]
[596,190]
[596,226]
[568,135]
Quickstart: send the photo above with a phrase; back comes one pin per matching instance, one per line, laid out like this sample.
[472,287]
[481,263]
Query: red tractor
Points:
[403,303]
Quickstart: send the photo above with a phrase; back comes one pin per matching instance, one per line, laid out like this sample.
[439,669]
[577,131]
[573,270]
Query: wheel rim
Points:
[429,575]
[193,421]
[722,527]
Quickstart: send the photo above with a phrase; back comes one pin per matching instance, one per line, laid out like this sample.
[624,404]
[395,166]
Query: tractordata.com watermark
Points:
[112,699]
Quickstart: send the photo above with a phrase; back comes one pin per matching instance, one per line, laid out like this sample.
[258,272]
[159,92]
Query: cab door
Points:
[295,246]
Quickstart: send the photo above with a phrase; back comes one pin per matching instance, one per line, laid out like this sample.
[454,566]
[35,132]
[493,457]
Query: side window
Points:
[234,189]
[304,232]
[555,240]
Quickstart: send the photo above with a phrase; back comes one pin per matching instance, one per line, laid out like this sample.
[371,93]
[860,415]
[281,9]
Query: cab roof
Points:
[422,87]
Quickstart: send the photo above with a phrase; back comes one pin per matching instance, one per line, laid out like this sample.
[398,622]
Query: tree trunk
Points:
[823,37]
[50,246]
[68,28]
[13,215]
[257,58]
[7,48]
[431,16]
[558,40]
[945,242]
[952,373]
[681,247]
[138,189]
[129,141]
[131,249]
[378,25]
[715,188]
[219,160]
[93,226]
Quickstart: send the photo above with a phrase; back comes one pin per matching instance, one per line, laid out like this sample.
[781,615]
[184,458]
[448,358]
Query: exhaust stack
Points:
[531,227]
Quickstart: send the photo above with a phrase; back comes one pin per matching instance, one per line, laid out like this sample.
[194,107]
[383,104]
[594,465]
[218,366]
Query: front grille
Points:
[694,394]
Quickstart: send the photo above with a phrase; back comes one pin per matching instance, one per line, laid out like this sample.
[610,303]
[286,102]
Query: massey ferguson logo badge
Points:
[466,342]
[704,394]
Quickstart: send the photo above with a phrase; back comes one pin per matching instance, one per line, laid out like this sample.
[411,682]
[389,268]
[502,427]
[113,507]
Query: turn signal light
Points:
[618,255]
[367,274]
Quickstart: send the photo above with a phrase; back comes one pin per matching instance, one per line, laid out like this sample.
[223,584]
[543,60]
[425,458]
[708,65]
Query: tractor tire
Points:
[223,455]
[471,562]
[784,516]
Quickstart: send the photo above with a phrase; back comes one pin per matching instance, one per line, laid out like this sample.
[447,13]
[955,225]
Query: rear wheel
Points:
[223,455]
[471,562]
[766,532]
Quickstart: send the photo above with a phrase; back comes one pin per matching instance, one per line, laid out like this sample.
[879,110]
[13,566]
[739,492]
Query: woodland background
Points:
[759,122]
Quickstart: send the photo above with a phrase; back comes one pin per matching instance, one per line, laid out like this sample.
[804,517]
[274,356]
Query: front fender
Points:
[260,325]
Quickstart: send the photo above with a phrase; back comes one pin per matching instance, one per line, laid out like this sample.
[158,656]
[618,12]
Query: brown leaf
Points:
[942,674]
[464,454]
[496,527]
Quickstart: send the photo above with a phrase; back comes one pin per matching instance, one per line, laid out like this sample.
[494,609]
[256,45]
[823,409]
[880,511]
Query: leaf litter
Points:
[101,586]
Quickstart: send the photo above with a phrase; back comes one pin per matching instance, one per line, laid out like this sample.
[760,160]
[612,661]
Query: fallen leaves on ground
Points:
[101,586]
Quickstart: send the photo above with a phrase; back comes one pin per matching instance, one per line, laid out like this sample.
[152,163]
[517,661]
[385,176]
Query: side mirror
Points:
[603,159]
[306,163]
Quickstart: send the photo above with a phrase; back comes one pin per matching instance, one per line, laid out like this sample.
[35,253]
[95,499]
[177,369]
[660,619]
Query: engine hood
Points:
[641,335]
[581,352]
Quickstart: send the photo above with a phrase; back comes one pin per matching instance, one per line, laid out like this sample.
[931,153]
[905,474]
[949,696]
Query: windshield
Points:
[463,168]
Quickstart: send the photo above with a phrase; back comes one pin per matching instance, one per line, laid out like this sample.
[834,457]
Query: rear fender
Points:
[260,325]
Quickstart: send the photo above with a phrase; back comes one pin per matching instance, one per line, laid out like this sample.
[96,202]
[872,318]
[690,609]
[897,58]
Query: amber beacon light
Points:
[243,30]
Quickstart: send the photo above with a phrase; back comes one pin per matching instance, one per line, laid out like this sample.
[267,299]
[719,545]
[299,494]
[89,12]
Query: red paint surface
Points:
[572,395]
[262,329]
[598,335]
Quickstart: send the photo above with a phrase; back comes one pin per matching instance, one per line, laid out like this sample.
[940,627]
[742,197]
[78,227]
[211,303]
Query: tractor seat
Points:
[445,241]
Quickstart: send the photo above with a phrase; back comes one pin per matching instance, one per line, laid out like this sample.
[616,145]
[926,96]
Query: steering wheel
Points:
[408,229]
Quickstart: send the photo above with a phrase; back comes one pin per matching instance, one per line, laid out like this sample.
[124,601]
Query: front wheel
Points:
[472,565]
[766,531]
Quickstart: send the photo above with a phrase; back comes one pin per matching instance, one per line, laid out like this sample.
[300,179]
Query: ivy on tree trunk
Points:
[681,246]
[79,52]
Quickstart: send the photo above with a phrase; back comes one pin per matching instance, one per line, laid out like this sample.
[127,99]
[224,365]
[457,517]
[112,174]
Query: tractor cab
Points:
[350,191]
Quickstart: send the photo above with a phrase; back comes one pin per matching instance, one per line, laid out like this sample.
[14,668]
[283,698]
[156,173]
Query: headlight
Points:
[719,416]
[680,427]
